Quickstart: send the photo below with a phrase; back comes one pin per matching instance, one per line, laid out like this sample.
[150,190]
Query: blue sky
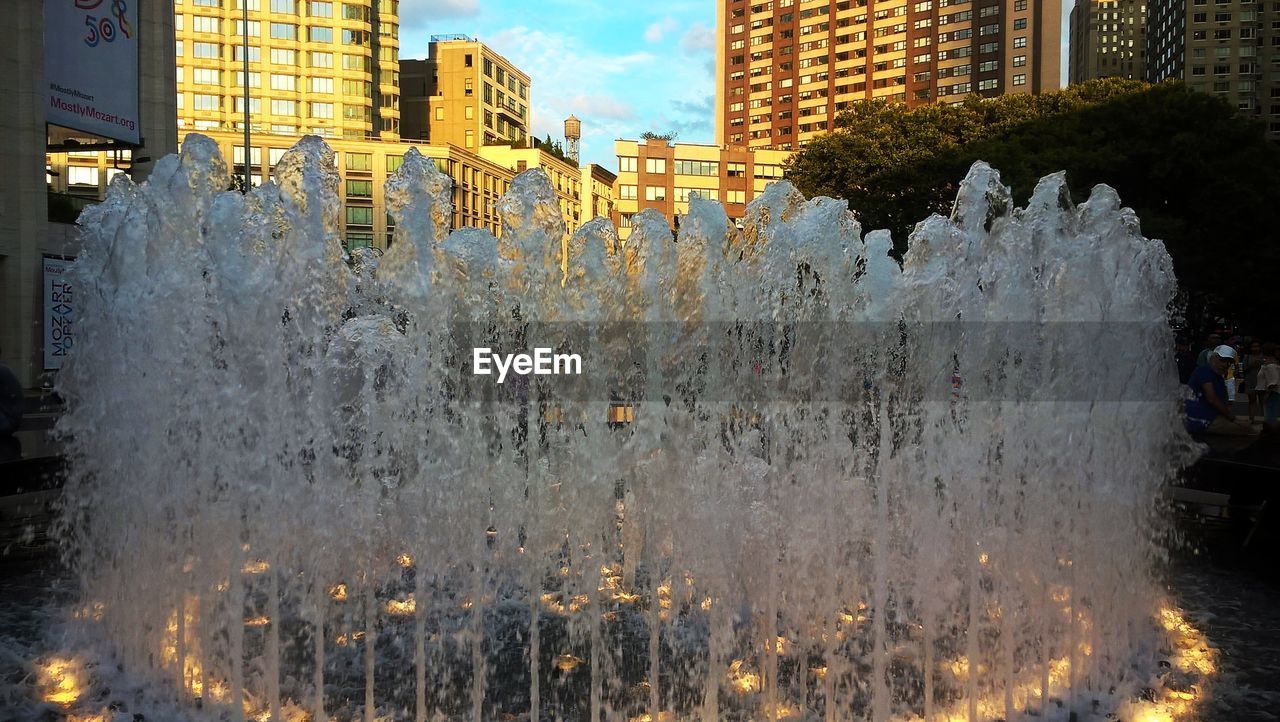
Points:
[622,67]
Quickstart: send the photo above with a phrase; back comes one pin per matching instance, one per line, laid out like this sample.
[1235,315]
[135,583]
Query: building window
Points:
[359,161]
[1019,6]
[255,105]
[284,6]
[322,85]
[697,167]
[357,239]
[322,60]
[1019,79]
[255,53]
[281,56]
[284,107]
[320,35]
[987,84]
[203,24]
[284,82]
[80,175]
[318,9]
[394,162]
[206,50]
[735,196]
[322,110]
[439,112]
[1019,61]
[255,28]
[206,76]
[655,193]
[360,88]
[736,170]
[284,31]
[1020,24]
[626,164]
[359,216]
[359,189]
[200,101]
[655,165]
[469,138]
[627,192]
[355,37]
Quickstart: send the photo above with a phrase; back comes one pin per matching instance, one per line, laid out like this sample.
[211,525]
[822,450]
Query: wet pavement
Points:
[1238,609]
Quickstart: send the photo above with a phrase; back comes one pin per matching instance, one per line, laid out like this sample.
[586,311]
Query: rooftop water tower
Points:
[572,134]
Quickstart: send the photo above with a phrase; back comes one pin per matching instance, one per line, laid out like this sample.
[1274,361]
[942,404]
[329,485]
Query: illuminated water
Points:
[852,490]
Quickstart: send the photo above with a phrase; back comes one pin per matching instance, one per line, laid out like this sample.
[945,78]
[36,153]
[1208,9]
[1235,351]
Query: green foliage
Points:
[668,137]
[552,147]
[1201,178]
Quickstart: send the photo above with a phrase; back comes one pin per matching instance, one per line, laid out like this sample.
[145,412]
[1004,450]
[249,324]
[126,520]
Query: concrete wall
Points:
[25,233]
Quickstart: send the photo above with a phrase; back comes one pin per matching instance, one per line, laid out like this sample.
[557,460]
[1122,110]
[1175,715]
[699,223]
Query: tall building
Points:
[1108,40]
[465,94]
[785,68]
[1230,49]
[322,67]
[657,174]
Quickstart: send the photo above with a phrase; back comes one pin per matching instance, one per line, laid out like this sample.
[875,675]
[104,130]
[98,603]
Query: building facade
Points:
[322,67]
[1108,40]
[465,94]
[363,170]
[35,222]
[1230,49]
[660,175]
[786,68]
[597,191]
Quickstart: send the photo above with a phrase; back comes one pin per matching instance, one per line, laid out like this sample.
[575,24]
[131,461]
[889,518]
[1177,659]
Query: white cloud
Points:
[567,77]
[657,30]
[698,39]
[601,106]
[419,12]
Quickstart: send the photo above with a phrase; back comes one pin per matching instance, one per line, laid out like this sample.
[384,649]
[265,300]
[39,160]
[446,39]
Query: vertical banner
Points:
[91,66]
[59,312]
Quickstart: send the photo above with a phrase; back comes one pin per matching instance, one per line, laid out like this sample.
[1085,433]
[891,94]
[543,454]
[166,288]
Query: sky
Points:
[622,67]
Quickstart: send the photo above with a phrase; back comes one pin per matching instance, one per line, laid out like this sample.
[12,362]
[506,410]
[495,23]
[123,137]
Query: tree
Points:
[1200,177]
[667,137]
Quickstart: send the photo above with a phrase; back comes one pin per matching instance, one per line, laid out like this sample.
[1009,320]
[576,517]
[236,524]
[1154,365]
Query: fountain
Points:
[850,489]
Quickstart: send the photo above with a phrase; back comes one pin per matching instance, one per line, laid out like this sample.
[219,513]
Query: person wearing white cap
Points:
[1207,410]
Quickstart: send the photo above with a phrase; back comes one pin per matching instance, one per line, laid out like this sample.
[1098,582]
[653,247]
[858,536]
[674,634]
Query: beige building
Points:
[566,178]
[322,67]
[597,191]
[786,68]
[657,174]
[1230,49]
[1108,40]
[465,94]
[34,221]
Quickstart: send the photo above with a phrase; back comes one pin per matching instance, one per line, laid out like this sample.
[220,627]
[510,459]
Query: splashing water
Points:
[851,490]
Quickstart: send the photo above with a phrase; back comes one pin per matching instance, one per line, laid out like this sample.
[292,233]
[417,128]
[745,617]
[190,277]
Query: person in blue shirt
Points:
[1207,410]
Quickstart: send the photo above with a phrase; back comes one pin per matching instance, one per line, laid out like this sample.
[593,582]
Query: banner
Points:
[91,66]
[59,312]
